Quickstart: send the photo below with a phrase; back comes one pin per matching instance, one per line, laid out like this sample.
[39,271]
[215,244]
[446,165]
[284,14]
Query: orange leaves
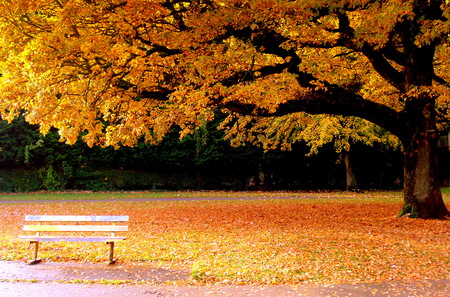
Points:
[70,71]
[265,93]
[374,24]
[69,62]
[300,242]
[319,237]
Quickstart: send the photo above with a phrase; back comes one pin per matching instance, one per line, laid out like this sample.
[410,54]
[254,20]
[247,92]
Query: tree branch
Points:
[330,100]
[376,58]
[441,81]
[384,68]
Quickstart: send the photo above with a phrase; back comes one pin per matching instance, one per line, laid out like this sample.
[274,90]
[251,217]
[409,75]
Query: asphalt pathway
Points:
[18,279]
[162,199]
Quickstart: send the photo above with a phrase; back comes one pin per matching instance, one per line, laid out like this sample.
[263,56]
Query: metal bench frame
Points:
[74,226]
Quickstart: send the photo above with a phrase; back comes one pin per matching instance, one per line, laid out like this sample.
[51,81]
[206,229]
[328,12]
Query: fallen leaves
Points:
[287,241]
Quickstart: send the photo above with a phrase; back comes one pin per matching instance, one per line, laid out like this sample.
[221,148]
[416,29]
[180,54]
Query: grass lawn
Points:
[328,237]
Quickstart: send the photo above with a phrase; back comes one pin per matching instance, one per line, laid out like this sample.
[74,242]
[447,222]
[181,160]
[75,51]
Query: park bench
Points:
[93,229]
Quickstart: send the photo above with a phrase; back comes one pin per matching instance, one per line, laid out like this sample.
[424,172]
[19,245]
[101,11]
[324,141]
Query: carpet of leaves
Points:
[287,241]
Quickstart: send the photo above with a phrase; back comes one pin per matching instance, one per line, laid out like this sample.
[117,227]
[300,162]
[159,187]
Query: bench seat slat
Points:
[71,238]
[89,228]
[67,218]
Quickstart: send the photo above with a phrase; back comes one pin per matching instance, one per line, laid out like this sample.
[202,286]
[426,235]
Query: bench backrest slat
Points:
[92,228]
[66,218]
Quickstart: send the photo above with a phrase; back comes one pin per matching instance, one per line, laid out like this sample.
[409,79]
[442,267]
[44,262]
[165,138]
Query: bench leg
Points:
[35,252]
[111,253]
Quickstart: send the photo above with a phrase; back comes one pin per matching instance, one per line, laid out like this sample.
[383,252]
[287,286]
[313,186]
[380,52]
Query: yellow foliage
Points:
[120,70]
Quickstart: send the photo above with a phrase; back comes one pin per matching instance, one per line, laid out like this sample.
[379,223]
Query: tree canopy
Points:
[120,70]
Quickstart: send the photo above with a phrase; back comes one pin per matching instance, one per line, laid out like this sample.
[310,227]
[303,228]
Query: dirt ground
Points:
[18,279]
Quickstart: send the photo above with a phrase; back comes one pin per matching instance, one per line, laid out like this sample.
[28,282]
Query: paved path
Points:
[51,279]
[301,195]
[165,199]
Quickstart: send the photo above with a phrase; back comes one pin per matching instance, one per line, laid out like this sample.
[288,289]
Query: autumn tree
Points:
[123,70]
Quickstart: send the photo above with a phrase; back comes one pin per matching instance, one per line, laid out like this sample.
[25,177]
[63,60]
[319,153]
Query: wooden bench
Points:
[97,227]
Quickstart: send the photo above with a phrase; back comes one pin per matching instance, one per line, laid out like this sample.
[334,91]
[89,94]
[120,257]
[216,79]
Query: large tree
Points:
[119,70]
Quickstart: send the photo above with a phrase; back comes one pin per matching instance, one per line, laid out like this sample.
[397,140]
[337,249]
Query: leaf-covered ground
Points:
[324,238]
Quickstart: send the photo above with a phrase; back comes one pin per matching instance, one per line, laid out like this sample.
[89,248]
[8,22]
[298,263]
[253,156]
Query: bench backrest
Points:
[66,227]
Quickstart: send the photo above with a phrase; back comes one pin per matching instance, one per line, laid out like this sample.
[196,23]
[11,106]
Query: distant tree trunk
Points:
[350,174]
[261,175]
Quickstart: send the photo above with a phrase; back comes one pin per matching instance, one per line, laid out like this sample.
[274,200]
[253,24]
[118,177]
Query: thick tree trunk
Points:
[350,174]
[422,194]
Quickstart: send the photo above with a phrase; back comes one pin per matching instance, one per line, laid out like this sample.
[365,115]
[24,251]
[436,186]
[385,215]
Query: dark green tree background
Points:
[30,161]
